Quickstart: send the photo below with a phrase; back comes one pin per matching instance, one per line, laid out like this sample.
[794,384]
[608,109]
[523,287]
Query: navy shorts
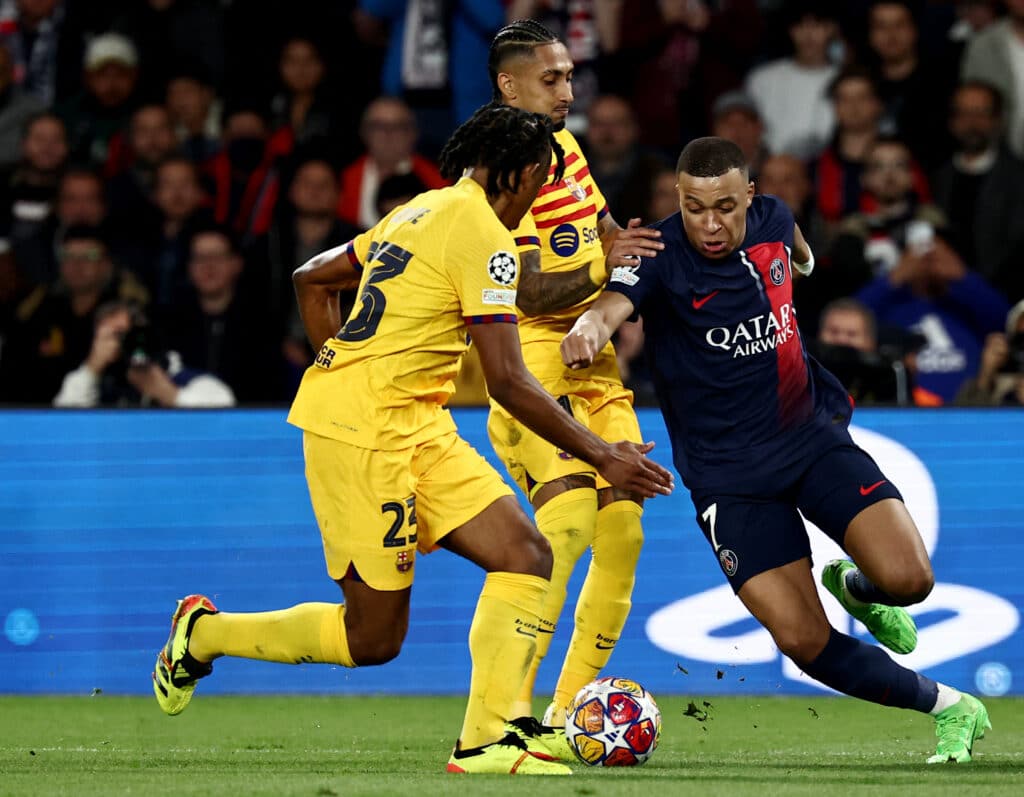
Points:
[751,534]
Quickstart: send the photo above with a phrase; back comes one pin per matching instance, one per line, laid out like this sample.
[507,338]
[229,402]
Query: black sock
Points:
[862,589]
[865,671]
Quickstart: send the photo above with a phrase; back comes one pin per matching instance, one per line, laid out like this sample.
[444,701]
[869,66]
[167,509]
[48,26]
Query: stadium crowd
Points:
[166,164]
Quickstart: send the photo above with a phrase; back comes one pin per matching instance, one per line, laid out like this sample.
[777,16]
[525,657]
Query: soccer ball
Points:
[613,722]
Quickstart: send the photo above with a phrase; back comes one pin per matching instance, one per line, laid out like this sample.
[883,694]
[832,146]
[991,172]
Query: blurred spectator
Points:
[629,355]
[618,163]
[664,196]
[178,198]
[981,189]
[389,132]
[396,190]
[125,367]
[659,47]
[30,188]
[173,32]
[932,292]
[16,108]
[102,108]
[244,176]
[45,39]
[221,329]
[996,55]
[786,177]
[434,57]
[195,114]
[1000,378]
[150,140]
[734,116]
[792,93]
[53,326]
[302,111]
[914,94]
[305,226]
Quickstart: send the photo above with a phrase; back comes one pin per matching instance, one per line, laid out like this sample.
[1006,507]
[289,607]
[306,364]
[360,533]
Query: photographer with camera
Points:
[125,368]
[1000,379]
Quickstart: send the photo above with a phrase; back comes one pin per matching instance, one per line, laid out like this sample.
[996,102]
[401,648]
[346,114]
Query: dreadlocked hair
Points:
[504,140]
[515,39]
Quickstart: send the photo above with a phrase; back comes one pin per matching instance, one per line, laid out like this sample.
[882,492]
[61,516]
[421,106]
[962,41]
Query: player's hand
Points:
[632,243]
[578,349]
[626,467]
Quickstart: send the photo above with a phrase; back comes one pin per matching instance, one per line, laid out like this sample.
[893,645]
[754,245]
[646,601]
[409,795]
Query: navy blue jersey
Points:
[743,402]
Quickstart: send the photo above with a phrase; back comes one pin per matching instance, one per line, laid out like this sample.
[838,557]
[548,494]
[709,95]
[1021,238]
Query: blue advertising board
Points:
[107,517]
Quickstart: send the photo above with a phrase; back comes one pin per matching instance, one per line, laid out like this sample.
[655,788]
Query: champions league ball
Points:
[613,722]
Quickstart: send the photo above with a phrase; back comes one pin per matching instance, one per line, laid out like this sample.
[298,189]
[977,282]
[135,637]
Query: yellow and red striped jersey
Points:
[563,225]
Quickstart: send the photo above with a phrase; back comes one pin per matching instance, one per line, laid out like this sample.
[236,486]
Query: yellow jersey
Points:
[430,269]
[563,225]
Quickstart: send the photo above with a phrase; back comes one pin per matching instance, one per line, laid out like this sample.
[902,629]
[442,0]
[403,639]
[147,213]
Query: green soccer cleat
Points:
[176,671]
[507,756]
[890,625]
[958,728]
[546,742]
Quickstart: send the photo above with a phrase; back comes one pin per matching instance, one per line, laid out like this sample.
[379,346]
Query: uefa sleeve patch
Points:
[494,296]
[502,268]
[625,274]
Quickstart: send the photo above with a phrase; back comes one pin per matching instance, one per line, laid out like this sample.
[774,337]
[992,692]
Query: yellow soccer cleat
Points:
[507,756]
[543,741]
[176,671]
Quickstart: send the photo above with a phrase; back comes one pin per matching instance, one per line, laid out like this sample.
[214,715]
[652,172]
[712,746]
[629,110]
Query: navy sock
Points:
[862,589]
[861,670]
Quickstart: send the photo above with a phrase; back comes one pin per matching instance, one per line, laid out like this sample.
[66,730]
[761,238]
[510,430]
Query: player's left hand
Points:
[626,467]
[578,349]
[632,243]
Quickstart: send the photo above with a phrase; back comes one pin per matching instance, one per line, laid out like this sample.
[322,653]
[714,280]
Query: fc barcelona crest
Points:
[578,192]
[403,562]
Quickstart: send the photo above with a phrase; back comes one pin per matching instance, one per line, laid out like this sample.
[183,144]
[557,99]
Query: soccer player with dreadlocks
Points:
[388,474]
[562,244]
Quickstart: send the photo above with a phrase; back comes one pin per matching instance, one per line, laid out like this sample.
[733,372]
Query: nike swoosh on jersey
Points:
[524,632]
[599,646]
[868,490]
[699,303]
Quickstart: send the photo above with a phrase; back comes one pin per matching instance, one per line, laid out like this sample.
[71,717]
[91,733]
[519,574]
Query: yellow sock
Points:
[567,521]
[604,601]
[501,643]
[309,632]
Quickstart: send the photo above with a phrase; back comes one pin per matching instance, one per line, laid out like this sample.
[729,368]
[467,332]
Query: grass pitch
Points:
[347,746]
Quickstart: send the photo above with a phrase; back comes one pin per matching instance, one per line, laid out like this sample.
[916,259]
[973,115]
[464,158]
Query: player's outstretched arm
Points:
[803,257]
[623,464]
[547,292]
[594,329]
[317,284]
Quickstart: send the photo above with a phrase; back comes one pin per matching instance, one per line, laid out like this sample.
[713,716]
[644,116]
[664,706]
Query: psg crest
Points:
[777,271]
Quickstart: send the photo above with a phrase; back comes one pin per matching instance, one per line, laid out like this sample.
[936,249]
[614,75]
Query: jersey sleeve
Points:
[636,283]
[484,269]
[358,249]
[775,221]
[526,236]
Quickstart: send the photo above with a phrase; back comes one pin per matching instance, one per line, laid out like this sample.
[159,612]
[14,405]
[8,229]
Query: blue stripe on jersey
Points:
[497,318]
[602,213]
[528,240]
[350,250]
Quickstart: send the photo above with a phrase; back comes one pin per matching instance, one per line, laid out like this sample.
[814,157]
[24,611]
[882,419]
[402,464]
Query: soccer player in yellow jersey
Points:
[567,243]
[388,475]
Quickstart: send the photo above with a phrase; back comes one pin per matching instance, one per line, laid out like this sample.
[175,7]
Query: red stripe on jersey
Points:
[528,240]
[578,177]
[555,204]
[570,159]
[350,250]
[497,318]
[582,213]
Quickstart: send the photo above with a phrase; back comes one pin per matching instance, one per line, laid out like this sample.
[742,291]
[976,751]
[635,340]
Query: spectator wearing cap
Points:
[734,116]
[106,102]
[981,188]
[53,326]
[16,108]
[996,55]
[1000,377]
[792,93]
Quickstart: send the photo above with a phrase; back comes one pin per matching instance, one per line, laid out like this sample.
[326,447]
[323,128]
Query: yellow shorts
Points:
[375,509]
[605,408]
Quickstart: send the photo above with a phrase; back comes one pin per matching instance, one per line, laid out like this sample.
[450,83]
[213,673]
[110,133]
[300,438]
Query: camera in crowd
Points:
[139,345]
[1015,356]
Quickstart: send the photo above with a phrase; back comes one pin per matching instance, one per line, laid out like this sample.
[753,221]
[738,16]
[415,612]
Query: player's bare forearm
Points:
[517,390]
[317,285]
[801,251]
[547,292]
[594,329]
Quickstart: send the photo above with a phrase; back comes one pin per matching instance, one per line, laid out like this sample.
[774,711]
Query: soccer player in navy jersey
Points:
[759,434]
